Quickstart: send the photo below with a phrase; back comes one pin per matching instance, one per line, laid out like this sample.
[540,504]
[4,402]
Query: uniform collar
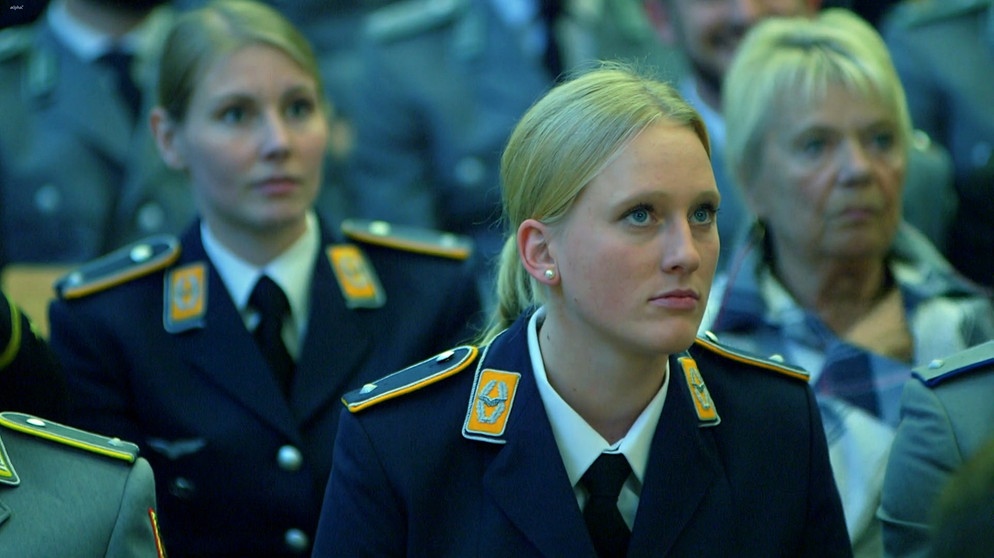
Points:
[579,444]
[291,270]
[84,41]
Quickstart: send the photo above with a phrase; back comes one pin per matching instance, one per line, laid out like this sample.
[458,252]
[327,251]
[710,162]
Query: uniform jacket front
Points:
[411,480]
[240,469]
[77,179]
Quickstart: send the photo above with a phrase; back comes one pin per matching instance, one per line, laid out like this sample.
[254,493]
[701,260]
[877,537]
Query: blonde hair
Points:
[199,37]
[561,143]
[796,60]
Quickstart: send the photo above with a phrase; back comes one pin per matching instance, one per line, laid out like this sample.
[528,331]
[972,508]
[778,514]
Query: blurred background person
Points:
[707,35]
[334,30]
[947,417]
[224,353]
[944,53]
[831,278]
[441,86]
[588,395]
[79,172]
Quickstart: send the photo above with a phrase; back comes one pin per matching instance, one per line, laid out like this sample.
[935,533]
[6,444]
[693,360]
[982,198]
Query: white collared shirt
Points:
[579,444]
[84,41]
[292,271]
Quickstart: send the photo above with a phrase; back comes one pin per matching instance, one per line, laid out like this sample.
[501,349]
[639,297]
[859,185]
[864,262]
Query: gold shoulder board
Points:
[409,239]
[80,439]
[119,266]
[411,379]
[712,345]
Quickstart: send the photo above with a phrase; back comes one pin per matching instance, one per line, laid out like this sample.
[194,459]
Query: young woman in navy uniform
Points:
[592,359]
[157,339]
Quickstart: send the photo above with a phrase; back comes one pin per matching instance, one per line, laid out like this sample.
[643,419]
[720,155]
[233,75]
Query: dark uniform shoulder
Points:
[120,266]
[964,362]
[412,378]
[709,342]
[407,18]
[16,41]
[409,239]
[917,13]
[68,436]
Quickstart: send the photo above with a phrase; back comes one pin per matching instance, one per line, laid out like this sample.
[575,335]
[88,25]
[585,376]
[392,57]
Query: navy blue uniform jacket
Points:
[409,482]
[240,470]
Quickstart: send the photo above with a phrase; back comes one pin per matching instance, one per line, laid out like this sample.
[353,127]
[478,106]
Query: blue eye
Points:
[704,215]
[233,115]
[640,215]
[301,108]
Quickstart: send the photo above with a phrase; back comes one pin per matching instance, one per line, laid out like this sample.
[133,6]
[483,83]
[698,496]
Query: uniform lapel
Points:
[330,358]
[682,469]
[527,479]
[225,353]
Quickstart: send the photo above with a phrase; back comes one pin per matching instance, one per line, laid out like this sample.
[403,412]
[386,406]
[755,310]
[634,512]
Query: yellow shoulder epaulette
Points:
[409,239]
[411,379]
[403,19]
[119,266]
[80,439]
[709,341]
[955,365]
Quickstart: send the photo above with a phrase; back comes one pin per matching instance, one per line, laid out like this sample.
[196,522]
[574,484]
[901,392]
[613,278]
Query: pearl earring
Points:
[550,274]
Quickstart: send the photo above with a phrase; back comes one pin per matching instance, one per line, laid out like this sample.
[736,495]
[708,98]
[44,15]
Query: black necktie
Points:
[269,300]
[603,480]
[120,61]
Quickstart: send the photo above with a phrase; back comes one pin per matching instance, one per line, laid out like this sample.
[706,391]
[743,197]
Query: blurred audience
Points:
[944,53]
[224,353]
[830,277]
[79,173]
[708,35]
[947,417]
[442,84]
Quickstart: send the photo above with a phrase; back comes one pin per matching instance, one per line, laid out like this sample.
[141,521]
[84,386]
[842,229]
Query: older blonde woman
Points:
[831,279]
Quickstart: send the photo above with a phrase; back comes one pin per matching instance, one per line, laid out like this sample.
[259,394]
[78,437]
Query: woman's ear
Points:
[164,129]
[536,252]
